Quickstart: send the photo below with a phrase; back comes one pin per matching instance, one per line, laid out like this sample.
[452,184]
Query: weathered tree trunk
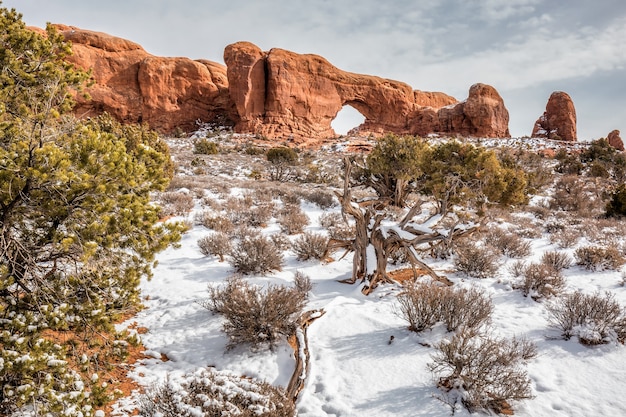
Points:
[374,243]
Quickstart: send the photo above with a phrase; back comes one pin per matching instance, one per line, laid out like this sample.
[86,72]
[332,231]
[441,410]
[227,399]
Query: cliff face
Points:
[135,86]
[278,93]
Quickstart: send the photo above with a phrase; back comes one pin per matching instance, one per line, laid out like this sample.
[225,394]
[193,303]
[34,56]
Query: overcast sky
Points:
[526,49]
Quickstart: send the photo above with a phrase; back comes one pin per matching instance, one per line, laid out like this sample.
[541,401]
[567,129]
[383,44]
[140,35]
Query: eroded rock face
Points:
[615,140]
[283,94]
[559,119]
[279,94]
[135,86]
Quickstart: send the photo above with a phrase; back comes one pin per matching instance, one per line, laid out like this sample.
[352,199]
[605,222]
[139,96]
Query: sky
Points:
[526,49]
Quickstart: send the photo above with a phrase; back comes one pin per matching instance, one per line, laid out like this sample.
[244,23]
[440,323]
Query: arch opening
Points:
[347,119]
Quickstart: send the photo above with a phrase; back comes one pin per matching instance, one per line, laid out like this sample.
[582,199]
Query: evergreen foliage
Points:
[77,228]
[451,172]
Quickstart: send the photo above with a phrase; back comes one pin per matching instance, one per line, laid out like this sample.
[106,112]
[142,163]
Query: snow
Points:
[363,360]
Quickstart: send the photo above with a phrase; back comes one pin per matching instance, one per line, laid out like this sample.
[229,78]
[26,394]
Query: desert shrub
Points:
[540,281]
[291,197]
[237,209]
[255,255]
[255,315]
[476,261]
[310,246]
[617,203]
[281,154]
[259,215]
[565,238]
[281,241]
[302,282]
[465,307]
[337,226]
[424,305]
[215,222]
[517,268]
[556,260]
[205,147]
[282,161]
[568,164]
[570,194]
[482,372]
[292,220]
[208,392]
[217,244]
[508,244]
[598,258]
[328,220]
[322,199]
[593,318]
[175,203]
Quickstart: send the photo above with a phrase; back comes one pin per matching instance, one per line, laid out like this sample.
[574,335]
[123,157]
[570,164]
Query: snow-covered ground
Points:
[354,369]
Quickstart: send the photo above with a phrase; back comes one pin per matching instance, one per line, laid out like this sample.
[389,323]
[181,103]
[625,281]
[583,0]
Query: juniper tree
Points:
[77,228]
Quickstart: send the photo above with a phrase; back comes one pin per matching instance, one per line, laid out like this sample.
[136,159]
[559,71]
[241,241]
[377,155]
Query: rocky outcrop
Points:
[615,140]
[283,94]
[278,94]
[559,119]
[135,86]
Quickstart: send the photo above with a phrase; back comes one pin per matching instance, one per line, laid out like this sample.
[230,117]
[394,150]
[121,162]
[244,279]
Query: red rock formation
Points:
[559,119]
[277,93]
[135,86]
[284,94]
[615,140]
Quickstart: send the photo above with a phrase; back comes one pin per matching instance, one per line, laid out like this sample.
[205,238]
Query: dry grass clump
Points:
[175,203]
[476,261]
[338,228]
[596,258]
[208,392]
[310,246]
[482,372]
[424,305]
[593,318]
[255,254]
[509,244]
[218,223]
[255,315]
[556,260]
[322,199]
[216,244]
[292,220]
[540,280]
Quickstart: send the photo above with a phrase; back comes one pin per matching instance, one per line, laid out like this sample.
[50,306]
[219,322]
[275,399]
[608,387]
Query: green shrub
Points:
[205,147]
[617,204]
[282,155]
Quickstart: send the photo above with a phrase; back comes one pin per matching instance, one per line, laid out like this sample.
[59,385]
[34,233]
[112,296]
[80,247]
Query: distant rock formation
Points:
[615,140]
[559,119]
[283,94]
[278,94]
[135,86]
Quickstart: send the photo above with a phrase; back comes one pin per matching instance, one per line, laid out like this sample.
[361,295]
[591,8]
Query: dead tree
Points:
[376,238]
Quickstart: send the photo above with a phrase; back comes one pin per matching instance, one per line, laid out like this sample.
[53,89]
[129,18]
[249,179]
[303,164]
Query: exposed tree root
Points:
[300,344]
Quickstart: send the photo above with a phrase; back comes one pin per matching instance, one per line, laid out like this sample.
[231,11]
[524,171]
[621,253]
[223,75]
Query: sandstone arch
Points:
[298,96]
